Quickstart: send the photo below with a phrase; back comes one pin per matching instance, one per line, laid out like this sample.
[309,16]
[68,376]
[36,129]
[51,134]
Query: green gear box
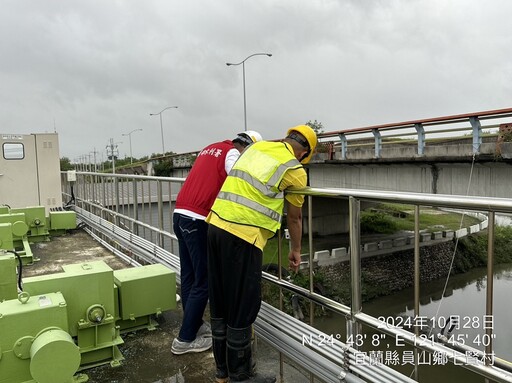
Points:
[8,288]
[17,220]
[6,240]
[145,290]
[88,289]
[62,220]
[20,323]
[83,285]
[35,218]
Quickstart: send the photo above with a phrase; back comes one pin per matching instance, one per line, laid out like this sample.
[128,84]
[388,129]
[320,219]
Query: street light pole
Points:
[130,139]
[243,73]
[161,126]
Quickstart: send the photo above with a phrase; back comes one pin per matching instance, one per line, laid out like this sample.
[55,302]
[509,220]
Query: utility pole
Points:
[112,153]
[94,156]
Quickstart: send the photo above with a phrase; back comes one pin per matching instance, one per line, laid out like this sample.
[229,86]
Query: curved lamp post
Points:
[161,126]
[243,70]
[130,138]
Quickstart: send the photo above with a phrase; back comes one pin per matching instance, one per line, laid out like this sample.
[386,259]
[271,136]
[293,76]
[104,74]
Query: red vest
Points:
[205,179]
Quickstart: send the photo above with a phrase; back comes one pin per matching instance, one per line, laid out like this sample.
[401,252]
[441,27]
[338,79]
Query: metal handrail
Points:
[356,318]
[503,205]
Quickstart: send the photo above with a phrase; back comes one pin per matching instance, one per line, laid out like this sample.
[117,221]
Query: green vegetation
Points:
[317,126]
[271,292]
[390,218]
[65,164]
[163,169]
[507,136]
[270,251]
[472,250]
[377,222]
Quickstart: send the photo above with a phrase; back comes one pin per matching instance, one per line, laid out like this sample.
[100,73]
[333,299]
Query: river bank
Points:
[383,275]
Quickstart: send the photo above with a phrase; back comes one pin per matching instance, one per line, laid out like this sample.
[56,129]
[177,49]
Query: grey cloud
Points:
[98,68]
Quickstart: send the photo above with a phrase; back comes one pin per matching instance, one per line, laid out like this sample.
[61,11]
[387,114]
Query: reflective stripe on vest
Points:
[250,195]
[255,183]
[253,205]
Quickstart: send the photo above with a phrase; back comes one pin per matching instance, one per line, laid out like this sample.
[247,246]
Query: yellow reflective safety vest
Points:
[250,194]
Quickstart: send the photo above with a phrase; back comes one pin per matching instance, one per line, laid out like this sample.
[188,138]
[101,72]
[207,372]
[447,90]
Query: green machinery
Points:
[21,226]
[65,322]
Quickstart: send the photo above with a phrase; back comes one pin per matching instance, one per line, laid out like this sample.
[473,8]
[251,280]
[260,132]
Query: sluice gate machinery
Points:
[66,322]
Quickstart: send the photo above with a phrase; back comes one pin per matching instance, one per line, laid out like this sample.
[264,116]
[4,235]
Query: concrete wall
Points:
[330,216]
[450,149]
[180,172]
[489,179]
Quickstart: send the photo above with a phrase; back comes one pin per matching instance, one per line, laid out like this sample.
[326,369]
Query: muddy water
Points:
[464,299]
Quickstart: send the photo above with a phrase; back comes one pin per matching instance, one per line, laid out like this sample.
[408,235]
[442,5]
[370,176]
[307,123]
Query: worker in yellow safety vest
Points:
[245,214]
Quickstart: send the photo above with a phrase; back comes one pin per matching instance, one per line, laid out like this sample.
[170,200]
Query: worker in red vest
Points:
[193,204]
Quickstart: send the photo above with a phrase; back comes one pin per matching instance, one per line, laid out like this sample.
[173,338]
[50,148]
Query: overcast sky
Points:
[92,70]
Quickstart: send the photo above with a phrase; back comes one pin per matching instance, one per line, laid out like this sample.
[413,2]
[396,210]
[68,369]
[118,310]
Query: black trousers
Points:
[234,278]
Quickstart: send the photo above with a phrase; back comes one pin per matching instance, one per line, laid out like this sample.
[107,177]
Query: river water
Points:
[464,299]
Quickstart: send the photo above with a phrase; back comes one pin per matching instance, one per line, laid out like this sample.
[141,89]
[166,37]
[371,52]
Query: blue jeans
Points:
[192,237]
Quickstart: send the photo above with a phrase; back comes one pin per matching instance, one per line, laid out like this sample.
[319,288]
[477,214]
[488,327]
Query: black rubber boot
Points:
[240,364]
[219,349]
[258,378]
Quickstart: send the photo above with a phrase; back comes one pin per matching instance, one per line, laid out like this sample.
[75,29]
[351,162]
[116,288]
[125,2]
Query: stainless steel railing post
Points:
[160,213]
[353,327]
[490,287]
[280,276]
[416,284]
[135,228]
[311,251]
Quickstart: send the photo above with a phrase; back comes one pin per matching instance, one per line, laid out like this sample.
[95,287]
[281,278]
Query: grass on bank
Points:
[391,218]
[473,249]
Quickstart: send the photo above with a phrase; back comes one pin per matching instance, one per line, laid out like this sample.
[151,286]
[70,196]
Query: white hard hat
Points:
[255,136]
[248,137]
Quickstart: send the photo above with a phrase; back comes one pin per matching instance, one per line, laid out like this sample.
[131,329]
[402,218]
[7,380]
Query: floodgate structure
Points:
[115,308]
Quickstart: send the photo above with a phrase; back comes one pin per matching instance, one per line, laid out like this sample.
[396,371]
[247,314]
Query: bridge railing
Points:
[415,138]
[128,212]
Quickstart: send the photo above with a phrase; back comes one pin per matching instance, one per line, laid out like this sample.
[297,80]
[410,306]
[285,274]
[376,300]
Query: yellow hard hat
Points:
[310,135]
